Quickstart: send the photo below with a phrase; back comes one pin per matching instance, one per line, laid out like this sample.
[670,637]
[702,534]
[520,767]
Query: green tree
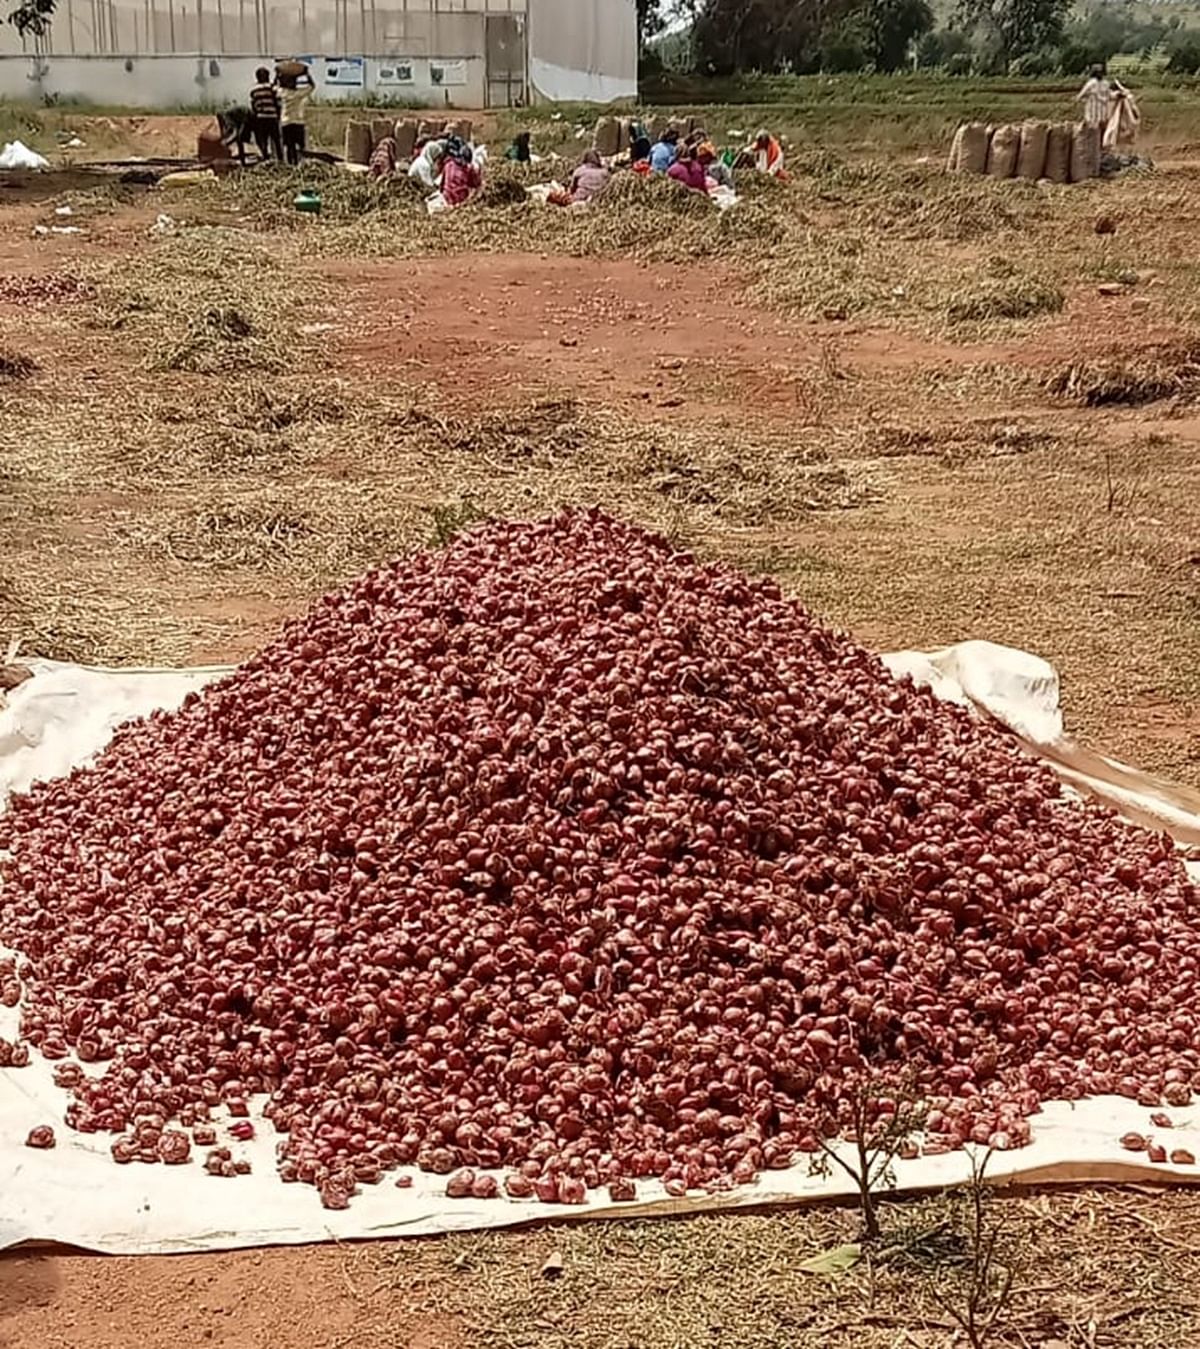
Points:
[649,19]
[766,35]
[774,35]
[844,48]
[1104,30]
[32,18]
[939,47]
[1183,55]
[1014,27]
[1033,64]
[890,27]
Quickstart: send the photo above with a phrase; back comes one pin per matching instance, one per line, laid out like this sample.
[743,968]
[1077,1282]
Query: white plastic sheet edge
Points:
[75,1195]
[18,155]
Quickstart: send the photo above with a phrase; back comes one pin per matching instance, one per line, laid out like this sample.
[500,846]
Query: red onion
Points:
[560,855]
[460,1184]
[517,1186]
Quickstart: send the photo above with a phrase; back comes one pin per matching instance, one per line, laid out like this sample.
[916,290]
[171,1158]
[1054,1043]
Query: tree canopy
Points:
[31,18]
[807,35]
[1016,26]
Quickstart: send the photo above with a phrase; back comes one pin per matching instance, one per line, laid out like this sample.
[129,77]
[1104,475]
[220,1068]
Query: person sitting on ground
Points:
[264,108]
[662,155]
[294,93]
[639,156]
[689,171]
[460,177]
[589,179]
[457,148]
[1096,97]
[519,151]
[768,154]
[715,167]
[383,158]
[426,168]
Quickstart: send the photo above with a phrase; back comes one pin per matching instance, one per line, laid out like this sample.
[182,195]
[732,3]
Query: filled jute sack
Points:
[955,154]
[1003,149]
[427,129]
[625,136]
[1085,152]
[358,143]
[1031,158]
[607,139]
[460,127]
[405,132]
[1058,153]
[381,128]
[973,150]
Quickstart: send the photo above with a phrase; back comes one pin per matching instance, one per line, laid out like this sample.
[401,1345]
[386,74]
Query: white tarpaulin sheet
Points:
[77,1196]
[18,155]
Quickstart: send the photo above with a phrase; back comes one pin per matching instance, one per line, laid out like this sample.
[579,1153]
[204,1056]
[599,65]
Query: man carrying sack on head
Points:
[296,87]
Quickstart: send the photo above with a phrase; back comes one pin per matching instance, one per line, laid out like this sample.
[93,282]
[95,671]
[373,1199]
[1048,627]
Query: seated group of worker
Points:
[447,164]
[451,165]
[455,168]
[694,161]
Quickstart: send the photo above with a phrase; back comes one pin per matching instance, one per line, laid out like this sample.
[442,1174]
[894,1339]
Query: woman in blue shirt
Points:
[662,155]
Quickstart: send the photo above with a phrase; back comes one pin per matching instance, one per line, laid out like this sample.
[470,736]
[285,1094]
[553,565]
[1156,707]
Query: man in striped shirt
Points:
[264,109]
[1096,97]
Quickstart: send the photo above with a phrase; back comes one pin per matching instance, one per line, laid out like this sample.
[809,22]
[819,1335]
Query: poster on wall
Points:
[447,72]
[398,72]
[348,71]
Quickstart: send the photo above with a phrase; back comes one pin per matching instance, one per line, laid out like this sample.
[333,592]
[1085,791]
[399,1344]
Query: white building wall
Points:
[161,53]
[406,28]
[583,50]
[216,82]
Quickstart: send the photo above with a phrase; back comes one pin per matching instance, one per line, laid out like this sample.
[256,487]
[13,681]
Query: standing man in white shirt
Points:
[294,93]
[1096,97]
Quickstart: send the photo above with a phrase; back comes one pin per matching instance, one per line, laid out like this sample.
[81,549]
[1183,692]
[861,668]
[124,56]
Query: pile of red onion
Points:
[561,854]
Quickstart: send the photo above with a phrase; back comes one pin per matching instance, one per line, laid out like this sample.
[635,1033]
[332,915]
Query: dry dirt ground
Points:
[180,470]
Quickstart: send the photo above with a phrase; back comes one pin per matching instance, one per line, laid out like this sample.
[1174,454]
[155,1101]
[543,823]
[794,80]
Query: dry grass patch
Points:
[957,443]
[834,242]
[739,1279]
[289,487]
[311,534]
[16,364]
[208,301]
[671,477]
[1018,297]
[1145,375]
